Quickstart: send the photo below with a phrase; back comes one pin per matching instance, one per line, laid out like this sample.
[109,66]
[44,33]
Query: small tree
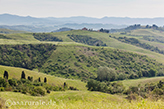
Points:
[105,73]
[45,80]
[12,82]
[65,84]
[152,72]
[39,79]
[6,75]
[3,82]
[23,76]
[30,78]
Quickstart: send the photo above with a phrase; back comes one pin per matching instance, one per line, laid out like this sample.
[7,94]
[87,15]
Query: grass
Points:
[147,32]
[141,81]
[8,31]
[16,73]
[78,100]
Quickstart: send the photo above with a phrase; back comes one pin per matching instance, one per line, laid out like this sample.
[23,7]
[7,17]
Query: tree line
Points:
[46,37]
[86,40]
[27,56]
[136,42]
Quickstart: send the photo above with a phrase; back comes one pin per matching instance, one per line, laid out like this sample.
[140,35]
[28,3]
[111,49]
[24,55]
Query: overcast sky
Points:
[89,8]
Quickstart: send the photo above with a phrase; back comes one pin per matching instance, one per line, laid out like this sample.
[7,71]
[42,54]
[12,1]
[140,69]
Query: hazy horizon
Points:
[79,16]
[87,8]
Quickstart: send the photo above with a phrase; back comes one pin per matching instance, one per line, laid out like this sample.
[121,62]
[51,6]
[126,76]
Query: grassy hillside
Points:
[8,31]
[142,81]
[146,32]
[72,60]
[111,42]
[104,37]
[16,73]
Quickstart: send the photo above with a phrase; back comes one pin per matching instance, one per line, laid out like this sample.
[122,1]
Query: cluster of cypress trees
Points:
[23,76]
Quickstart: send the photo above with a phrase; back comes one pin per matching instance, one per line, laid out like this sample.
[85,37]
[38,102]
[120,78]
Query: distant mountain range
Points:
[51,23]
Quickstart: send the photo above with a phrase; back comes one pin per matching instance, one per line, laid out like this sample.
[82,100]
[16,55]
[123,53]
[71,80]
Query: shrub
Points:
[72,88]
[3,82]
[158,91]
[30,78]
[133,76]
[12,82]
[122,76]
[105,73]
[39,90]
[48,91]
[33,93]
[2,88]
[55,88]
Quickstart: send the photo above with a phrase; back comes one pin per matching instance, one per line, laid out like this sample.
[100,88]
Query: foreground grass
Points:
[77,100]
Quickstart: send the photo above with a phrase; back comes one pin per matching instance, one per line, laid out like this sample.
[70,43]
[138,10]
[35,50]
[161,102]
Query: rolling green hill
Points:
[146,32]
[74,60]
[8,31]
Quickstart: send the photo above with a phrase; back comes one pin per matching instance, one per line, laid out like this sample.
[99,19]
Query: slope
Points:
[9,31]
[110,42]
[15,72]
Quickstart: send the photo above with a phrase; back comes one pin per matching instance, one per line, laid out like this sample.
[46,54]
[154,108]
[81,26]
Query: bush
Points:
[39,90]
[105,73]
[3,82]
[122,76]
[12,82]
[55,88]
[133,76]
[2,89]
[72,88]
[158,91]
[33,93]
[48,91]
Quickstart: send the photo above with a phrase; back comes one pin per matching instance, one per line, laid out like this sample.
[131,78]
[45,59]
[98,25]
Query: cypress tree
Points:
[65,84]
[6,75]
[45,80]
[39,79]
[23,76]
